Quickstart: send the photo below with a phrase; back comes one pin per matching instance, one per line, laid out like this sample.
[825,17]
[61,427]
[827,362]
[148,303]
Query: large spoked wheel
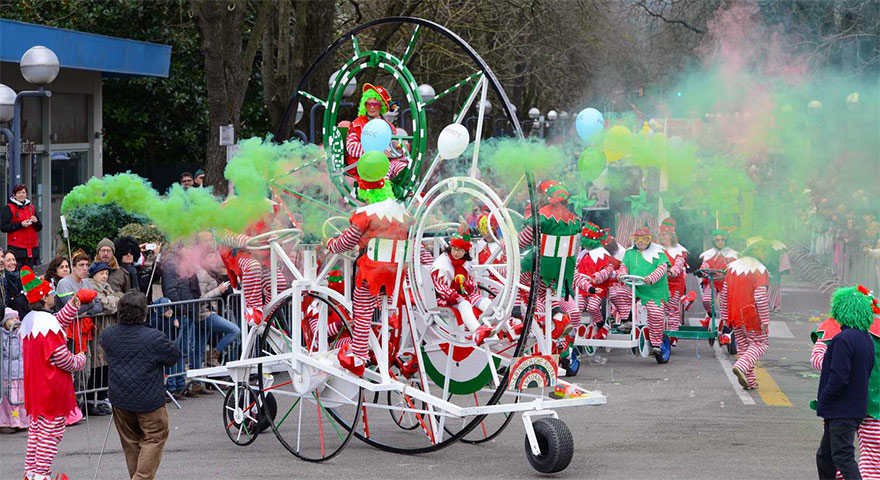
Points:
[309,401]
[244,416]
[555,443]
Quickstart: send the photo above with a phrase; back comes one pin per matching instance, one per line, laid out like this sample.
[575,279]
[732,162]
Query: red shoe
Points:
[705,322]
[601,333]
[481,333]
[561,327]
[349,362]
[724,339]
[254,316]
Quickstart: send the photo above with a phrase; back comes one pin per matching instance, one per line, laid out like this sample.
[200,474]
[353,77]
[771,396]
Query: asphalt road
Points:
[681,420]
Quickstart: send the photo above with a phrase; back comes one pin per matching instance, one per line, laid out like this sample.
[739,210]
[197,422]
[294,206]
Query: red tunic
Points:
[383,227]
[677,275]
[718,260]
[598,263]
[48,390]
[744,276]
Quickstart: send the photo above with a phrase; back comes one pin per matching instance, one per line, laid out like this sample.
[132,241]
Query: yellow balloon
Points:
[617,143]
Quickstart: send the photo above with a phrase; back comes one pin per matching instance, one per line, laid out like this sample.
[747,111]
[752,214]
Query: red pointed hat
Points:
[461,239]
[383,94]
[555,192]
[668,225]
[35,288]
[593,232]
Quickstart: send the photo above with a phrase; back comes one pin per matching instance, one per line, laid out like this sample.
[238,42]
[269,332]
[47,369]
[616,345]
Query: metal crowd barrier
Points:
[11,385]
[189,324]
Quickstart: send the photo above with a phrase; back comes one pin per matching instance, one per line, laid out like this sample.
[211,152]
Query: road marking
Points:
[728,370]
[769,390]
[779,329]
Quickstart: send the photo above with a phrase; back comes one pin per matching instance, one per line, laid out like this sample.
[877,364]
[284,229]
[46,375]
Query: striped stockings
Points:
[751,346]
[621,297]
[363,306]
[775,297]
[593,305]
[673,310]
[656,322]
[706,297]
[44,436]
[256,282]
[869,448]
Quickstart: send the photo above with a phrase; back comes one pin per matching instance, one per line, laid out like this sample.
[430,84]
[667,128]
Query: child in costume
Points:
[745,308]
[595,271]
[869,430]
[455,286]
[619,295]
[716,258]
[48,385]
[677,256]
[375,102]
[13,415]
[559,231]
[647,259]
[379,230]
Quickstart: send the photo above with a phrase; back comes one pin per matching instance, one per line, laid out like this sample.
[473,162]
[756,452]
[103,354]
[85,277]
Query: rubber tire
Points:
[556,443]
[666,347]
[270,407]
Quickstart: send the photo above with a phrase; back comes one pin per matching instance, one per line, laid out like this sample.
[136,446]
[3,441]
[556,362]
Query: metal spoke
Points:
[470,78]
[288,413]
[313,98]
[329,417]
[356,44]
[410,47]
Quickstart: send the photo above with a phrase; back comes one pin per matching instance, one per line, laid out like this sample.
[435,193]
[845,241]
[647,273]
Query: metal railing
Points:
[11,370]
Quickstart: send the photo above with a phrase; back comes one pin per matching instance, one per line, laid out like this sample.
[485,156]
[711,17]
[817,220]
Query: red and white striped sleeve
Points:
[622,270]
[63,359]
[603,275]
[677,267]
[232,239]
[444,290]
[353,143]
[66,315]
[817,355]
[425,256]
[396,166]
[784,263]
[657,274]
[526,237]
[346,241]
[722,303]
[762,304]
[582,281]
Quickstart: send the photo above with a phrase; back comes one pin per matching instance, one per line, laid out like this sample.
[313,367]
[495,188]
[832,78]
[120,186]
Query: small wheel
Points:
[665,351]
[241,415]
[731,347]
[589,350]
[711,341]
[644,343]
[556,445]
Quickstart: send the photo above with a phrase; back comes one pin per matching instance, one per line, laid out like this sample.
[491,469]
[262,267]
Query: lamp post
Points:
[39,66]
[426,92]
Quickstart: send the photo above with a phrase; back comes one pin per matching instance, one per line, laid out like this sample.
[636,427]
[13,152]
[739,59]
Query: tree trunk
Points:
[229,45]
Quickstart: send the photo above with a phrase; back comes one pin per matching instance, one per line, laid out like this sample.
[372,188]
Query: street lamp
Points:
[552,115]
[534,113]
[349,89]
[426,92]
[39,66]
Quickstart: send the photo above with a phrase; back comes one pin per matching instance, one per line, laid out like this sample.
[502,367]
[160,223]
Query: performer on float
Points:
[48,385]
[716,258]
[250,269]
[869,430]
[745,307]
[375,102]
[677,256]
[647,259]
[596,269]
[487,249]
[559,231]
[455,286]
[619,294]
[379,229]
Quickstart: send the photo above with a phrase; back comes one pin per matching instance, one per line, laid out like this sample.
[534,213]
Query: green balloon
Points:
[372,166]
[591,164]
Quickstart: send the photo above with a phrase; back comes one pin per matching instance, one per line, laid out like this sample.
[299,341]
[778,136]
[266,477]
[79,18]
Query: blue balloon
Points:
[588,123]
[376,135]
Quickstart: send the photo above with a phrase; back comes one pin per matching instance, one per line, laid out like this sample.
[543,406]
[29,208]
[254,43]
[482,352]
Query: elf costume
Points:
[778,264]
[559,231]
[48,385]
[336,333]
[619,294]
[715,259]
[488,249]
[456,289]
[250,270]
[595,272]
[379,230]
[869,430]
[398,160]
[652,264]
[745,308]
[677,256]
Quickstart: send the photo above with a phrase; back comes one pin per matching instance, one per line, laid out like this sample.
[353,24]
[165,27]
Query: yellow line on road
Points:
[769,391]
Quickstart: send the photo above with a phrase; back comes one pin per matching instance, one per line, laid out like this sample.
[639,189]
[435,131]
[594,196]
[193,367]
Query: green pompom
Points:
[852,308]
[372,166]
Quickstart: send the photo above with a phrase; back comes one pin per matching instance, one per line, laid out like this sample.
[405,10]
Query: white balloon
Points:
[453,141]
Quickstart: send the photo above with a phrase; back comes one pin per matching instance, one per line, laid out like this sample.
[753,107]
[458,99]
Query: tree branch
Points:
[675,22]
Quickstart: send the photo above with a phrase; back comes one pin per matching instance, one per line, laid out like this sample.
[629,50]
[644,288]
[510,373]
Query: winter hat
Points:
[199,172]
[642,232]
[668,225]
[555,191]
[852,308]
[381,93]
[592,236]
[35,288]
[106,242]
[461,239]
[9,313]
[97,267]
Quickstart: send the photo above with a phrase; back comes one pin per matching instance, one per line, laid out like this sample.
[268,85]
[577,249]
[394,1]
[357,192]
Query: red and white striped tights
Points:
[363,306]
[868,432]
[256,282]
[673,310]
[44,435]
[621,297]
[706,297]
[656,321]
[751,346]
[593,305]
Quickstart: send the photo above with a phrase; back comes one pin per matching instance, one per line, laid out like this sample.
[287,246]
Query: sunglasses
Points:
[645,238]
[373,104]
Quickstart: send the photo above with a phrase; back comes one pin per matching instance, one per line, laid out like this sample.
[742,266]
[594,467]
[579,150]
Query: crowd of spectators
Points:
[846,241]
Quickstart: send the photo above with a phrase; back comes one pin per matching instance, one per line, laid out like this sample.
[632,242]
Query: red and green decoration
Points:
[559,230]
[592,236]
[668,225]
[35,288]
[461,239]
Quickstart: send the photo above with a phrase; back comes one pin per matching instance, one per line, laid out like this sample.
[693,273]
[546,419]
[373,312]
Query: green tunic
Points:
[559,239]
[643,263]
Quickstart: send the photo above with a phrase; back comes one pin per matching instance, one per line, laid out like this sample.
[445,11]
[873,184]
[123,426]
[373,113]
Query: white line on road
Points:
[728,370]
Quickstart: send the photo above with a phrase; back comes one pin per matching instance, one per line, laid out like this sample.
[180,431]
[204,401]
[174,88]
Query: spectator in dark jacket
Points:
[19,221]
[843,386]
[127,253]
[136,354]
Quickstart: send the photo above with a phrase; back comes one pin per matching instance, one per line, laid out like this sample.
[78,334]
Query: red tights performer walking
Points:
[48,385]
[745,307]
[716,258]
